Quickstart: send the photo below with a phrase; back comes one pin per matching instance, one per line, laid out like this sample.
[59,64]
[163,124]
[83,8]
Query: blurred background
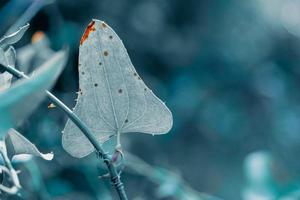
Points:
[228,70]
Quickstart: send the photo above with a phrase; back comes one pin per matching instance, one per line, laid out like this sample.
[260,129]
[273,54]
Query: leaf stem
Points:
[118,147]
[114,176]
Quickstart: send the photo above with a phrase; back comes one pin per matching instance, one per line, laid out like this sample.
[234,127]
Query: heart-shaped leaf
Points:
[17,145]
[112,98]
[22,98]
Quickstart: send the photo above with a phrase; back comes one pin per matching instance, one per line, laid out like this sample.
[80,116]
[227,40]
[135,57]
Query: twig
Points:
[114,176]
[11,172]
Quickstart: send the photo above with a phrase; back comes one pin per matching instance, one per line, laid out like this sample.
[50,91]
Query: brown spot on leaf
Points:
[103,25]
[90,28]
[120,91]
[126,120]
[96,84]
[110,37]
[105,53]
[82,73]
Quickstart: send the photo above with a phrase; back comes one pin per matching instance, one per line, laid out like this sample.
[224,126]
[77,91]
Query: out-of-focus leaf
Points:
[37,183]
[14,37]
[10,55]
[170,184]
[112,97]
[2,58]
[257,167]
[258,173]
[21,99]
[32,55]
[6,14]
[17,144]
[76,195]
[5,81]
[291,196]
[28,14]
[59,187]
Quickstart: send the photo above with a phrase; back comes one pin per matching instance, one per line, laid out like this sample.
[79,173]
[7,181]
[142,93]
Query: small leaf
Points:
[3,60]
[112,98]
[17,144]
[8,58]
[22,98]
[10,55]
[14,37]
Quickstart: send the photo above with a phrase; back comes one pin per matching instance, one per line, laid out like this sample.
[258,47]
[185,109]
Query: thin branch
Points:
[115,178]
[11,172]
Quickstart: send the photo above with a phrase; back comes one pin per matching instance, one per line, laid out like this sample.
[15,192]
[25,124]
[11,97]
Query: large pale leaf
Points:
[35,53]
[112,97]
[22,98]
[17,145]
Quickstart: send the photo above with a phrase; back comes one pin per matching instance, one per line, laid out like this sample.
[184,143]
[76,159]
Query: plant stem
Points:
[115,178]
[118,147]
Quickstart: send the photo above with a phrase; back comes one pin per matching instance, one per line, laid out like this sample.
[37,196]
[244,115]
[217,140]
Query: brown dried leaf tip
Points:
[51,105]
[90,28]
